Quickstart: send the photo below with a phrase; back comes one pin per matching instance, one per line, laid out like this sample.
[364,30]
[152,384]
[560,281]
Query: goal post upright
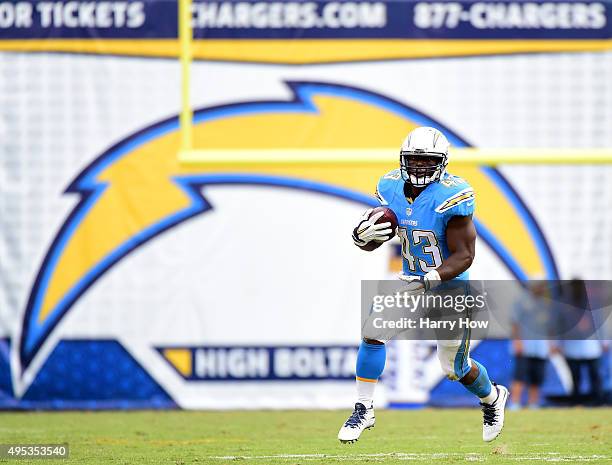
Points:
[186,56]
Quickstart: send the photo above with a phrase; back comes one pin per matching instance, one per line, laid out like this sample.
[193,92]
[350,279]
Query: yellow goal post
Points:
[482,156]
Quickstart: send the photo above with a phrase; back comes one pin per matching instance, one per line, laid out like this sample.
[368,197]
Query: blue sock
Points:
[481,386]
[370,361]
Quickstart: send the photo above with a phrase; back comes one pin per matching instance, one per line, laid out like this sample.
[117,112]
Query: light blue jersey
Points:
[422,222]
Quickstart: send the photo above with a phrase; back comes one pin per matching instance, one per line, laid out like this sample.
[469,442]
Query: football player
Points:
[434,211]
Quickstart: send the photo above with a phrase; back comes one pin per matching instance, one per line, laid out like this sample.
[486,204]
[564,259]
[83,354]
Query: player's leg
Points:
[596,391]
[457,365]
[371,360]
[518,383]
[533,396]
[537,367]
[370,365]
[517,388]
[576,371]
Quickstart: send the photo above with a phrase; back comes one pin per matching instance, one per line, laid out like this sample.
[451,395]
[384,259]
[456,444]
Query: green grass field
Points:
[298,437]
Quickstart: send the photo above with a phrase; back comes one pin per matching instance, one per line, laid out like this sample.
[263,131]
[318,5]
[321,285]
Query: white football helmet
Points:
[424,156]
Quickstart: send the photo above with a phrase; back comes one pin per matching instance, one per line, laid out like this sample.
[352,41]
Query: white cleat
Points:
[493,414]
[361,419]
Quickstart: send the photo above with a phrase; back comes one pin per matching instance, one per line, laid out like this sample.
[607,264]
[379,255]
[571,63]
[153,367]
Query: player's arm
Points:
[369,235]
[461,242]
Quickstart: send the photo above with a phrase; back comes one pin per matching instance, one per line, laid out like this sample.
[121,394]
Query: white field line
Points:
[470,457]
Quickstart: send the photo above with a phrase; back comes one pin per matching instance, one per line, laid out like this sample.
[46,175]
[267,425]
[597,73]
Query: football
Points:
[388,216]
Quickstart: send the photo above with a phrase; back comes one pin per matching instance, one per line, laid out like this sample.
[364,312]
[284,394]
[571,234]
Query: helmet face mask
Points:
[423,156]
[421,169]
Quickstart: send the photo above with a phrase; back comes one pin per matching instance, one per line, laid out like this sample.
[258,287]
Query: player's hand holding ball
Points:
[376,225]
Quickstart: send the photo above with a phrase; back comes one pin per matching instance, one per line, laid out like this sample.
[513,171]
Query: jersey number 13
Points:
[428,244]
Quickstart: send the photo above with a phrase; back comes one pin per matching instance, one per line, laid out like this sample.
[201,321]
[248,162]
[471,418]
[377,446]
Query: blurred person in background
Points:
[530,323]
[582,347]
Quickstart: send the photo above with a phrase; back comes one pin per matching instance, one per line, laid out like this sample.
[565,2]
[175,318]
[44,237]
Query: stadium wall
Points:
[131,279]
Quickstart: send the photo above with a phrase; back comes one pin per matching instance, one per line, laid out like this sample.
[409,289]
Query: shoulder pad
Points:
[453,183]
[393,174]
[387,185]
[456,198]
[453,191]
